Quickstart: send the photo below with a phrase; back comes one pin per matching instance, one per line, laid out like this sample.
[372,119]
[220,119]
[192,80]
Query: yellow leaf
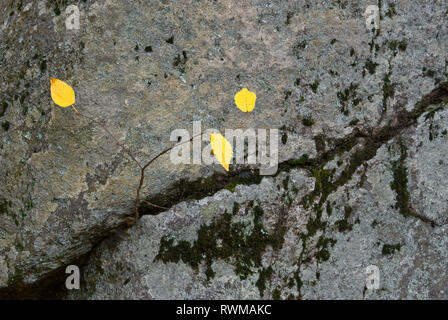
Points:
[222,149]
[61,93]
[245,100]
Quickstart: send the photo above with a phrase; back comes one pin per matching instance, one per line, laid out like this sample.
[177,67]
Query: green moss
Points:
[56,10]
[170,40]
[284,134]
[286,182]
[43,65]
[428,73]
[303,161]
[329,209]
[16,279]
[333,73]
[3,107]
[319,141]
[236,208]
[308,121]
[180,62]
[4,205]
[390,249]
[343,225]
[400,184]
[183,189]
[435,97]
[323,254]
[276,295]
[238,243]
[348,97]
[5,125]
[388,88]
[299,284]
[391,10]
[402,46]
[288,18]
[264,275]
[315,85]
[370,66]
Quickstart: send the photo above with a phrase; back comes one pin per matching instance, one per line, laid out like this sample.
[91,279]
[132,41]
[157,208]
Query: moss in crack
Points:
[236,208]
[5,125]
[322,185]
[348,97]
[276,294]
[239,243]
[428,73]
[4,206]
[344,225]
[284,134]
[303,161]
[264,275]
[400,183]
[315,85]
[370,66]
[388,88]
[437,96]
[391,10]
[16,278]
[298,48]
[180,62]
[396,46]
[289,15]
[308,121]
[323,254]
[390,248]
[188,190]
[286,182]
[3,106]
[319,141]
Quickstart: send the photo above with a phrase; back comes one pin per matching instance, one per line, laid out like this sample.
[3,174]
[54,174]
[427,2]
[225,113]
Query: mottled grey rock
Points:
[323,253]
[146,68]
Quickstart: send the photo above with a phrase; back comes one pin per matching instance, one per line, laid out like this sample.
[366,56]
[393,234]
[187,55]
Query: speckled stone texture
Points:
[362,154]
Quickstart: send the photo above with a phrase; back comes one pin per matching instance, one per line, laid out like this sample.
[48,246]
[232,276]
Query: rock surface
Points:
[363,137]
[268,241]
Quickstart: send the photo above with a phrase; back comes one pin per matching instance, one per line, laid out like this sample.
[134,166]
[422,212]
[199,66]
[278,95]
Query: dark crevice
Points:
[51,286]
[369,142]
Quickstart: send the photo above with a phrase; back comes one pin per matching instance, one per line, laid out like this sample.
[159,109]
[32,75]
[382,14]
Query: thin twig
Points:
[132,220]
[154,205]
[142,174]
[99,122]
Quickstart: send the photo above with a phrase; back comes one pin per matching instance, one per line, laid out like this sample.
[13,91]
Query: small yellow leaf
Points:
[245,100]
[61,93]
[222,149]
